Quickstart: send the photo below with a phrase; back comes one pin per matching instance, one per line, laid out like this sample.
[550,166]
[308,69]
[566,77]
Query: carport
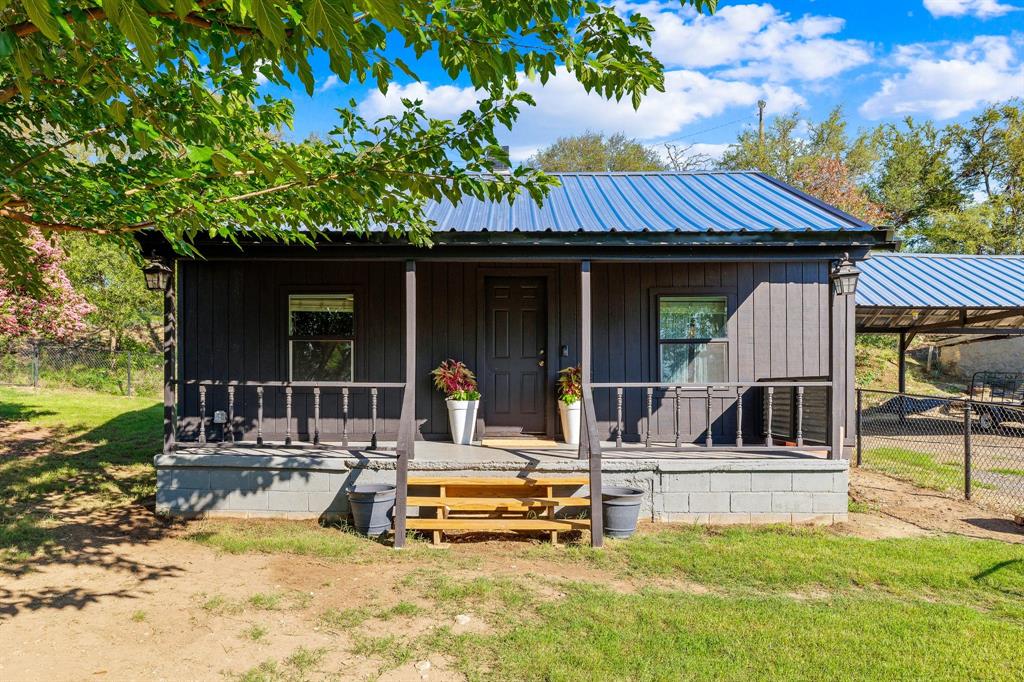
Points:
[910,294]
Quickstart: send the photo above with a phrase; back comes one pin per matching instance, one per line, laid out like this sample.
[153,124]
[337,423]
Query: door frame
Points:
[549,273]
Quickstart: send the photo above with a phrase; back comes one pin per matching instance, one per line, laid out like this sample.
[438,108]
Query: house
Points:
[710,313]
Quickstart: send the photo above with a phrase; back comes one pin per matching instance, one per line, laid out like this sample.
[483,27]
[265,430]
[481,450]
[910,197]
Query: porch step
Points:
[496,481]
[462,523]
[497,503]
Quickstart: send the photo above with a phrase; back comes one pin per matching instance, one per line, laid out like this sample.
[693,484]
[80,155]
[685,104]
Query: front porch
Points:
[720,388]
[688,484]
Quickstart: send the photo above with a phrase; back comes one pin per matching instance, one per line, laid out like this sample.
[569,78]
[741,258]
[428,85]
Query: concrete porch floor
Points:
[445,455]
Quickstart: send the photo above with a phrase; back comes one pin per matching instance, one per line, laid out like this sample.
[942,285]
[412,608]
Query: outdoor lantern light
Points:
[844,276]
[157,274]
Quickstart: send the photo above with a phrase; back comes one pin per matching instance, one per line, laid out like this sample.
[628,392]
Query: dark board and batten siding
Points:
[234,321]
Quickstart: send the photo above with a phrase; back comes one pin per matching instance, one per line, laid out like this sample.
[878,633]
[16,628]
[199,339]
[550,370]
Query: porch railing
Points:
[341,391]
[733,392]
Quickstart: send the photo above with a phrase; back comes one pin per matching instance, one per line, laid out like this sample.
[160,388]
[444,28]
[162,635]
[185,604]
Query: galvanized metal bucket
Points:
[373,506]
[621,510]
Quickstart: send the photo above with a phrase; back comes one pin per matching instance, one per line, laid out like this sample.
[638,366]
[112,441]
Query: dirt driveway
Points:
[130,598]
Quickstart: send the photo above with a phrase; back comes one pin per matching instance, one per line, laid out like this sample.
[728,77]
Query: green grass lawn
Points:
[71,448]
[920,468]
[668,604]
[734,603]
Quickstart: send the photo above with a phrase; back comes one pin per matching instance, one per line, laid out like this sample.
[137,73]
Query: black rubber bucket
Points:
[373,506]
[621,510]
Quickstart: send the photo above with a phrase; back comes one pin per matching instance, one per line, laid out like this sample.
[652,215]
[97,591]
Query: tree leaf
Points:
[119,111]
[268,20]
[183,7]
[6,44]
[134,22]
[41,14]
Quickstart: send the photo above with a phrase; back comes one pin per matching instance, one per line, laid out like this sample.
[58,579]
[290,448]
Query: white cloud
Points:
[329,83]
[752,41]
[443,101]
[983,9]
[565,108]
[948,79]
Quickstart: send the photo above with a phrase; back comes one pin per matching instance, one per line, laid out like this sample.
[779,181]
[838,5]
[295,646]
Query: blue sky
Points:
[881,60]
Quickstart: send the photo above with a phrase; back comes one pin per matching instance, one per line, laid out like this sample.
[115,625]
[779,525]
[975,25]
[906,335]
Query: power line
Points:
[690,136]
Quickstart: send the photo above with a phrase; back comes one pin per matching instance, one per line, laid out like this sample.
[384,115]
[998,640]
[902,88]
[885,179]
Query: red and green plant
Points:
[570,385]
[456,381]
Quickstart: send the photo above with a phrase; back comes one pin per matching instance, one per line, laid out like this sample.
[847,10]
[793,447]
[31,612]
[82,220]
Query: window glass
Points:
[689,317]
[320,315]
[693,363]
[321,360]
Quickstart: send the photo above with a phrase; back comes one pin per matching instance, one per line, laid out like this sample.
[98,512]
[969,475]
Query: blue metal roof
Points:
[746,201]
[941,281]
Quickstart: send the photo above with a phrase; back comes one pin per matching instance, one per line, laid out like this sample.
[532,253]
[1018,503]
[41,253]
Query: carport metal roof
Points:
[941,294]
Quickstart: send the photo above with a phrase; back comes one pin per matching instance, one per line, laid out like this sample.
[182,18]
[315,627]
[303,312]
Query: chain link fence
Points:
[53,365]
[960,447]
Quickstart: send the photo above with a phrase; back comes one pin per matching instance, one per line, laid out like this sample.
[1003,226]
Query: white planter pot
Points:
[462,420]
[570,421]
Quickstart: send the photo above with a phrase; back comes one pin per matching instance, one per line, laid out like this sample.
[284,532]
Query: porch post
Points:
[407,424]
[585,347]
[590,445]
[170,352]
[841,332]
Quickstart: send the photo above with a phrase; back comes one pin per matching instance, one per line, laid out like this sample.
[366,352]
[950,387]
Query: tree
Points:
[594,152]
[916,177]
[58,313]
[124,311]
[778,155]
[164,96]
[990,155]
[683,159]
[830,180]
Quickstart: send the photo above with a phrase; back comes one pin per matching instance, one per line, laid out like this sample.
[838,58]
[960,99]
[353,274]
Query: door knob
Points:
[540,363]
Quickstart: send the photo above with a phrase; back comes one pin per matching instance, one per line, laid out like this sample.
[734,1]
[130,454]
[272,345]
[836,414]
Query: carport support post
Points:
[903,364]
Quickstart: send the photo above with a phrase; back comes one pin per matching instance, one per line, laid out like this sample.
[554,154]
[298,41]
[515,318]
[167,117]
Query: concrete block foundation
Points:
[240,482]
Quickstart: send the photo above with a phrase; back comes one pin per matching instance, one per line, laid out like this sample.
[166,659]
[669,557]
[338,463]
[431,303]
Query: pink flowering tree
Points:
[55,311]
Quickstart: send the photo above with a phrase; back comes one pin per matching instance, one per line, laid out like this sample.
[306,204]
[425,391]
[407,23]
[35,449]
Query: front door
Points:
[514,387]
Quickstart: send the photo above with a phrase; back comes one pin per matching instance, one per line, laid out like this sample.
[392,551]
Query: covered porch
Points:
[762,442]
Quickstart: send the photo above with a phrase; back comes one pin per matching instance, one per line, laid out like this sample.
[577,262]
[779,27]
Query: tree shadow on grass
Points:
[76,496]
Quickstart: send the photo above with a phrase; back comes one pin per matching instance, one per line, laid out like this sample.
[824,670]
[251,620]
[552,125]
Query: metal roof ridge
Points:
[914,254]
[656,172]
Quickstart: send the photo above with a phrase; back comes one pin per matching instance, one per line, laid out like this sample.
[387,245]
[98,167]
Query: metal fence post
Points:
[860,426]
[35,364]
[129,356]
[967,450]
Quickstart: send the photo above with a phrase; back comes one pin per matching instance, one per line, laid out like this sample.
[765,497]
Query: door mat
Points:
[525,443]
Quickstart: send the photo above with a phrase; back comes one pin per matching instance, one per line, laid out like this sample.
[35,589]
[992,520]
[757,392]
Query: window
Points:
[692,339]
[321,337]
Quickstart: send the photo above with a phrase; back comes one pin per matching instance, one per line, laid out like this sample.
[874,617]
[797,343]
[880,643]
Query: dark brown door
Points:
[514,387]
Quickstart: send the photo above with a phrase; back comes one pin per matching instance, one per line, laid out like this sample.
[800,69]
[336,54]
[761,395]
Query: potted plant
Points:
[458,384]
[570,391]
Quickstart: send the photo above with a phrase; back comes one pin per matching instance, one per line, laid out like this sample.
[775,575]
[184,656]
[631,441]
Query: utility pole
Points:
[761,104]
